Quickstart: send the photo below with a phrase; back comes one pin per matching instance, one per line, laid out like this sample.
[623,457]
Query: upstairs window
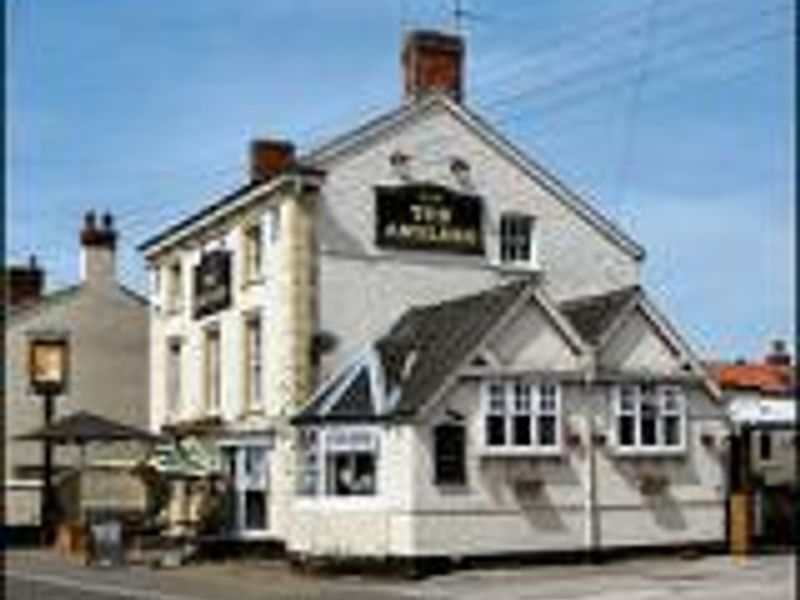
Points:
[517,240]
[175,287]
[450,455]
[522,415]
[174,385]
[253,252]
[254,377]
[212,370]
[650,417]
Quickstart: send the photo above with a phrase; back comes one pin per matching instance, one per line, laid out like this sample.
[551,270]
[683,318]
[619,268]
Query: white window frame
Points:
[174,377]
[254,400]
[661,394]
[253,252]
[504,244]
[242,484]
[317,458]
[175,291]
[212,373]
[512,408]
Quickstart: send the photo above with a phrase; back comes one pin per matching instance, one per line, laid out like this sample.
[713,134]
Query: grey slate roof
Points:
[428,343]
[591,316]
[417,355]
[440,336]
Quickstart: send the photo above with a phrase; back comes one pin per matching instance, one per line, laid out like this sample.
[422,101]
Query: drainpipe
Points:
[591,512]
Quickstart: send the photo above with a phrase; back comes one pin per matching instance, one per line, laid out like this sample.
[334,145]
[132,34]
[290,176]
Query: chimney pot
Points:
[269,157]
[433,62]
[778,355]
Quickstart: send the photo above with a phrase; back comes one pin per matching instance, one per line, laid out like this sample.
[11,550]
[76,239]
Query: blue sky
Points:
[676,119]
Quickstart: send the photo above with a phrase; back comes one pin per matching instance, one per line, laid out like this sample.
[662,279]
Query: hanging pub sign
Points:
[212,283]
[427,216]
[48,363]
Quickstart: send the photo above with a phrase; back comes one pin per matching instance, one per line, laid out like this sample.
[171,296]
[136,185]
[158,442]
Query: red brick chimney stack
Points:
[268,158]
[24,284]
[433,62]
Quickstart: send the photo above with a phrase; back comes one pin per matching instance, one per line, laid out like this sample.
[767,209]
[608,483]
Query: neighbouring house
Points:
[106,329]
[761,401]
[416,341]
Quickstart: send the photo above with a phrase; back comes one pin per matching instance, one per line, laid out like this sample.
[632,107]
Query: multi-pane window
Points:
[309,462]
[450,454]
[516,240]
[174,348]
[212,370]
[337,462]
[253,252]
[254,380]
[650,417]
[522,414]
[175,287]
[247,468]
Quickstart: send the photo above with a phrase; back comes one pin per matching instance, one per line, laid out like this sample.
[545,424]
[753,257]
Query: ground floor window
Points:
[337,461]
[521,414]
[246,470]
[650,416]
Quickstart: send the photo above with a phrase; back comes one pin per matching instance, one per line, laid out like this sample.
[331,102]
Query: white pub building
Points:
[414,341]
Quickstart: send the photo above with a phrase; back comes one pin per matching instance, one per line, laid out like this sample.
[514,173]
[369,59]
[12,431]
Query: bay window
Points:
[650,417]
[338,461]
[521,415]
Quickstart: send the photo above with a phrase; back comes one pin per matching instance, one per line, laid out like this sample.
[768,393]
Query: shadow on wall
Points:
[537,506]
[666,511]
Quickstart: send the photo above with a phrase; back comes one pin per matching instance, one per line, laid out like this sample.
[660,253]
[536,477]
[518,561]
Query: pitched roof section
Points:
[415,357]
[593,316]
[428,343]
[397,118]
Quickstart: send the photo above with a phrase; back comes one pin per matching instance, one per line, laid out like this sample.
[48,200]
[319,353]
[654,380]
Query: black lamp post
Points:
[48,367]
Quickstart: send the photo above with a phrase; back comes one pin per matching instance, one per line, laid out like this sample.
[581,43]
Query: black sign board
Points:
[212,283]
[427,216]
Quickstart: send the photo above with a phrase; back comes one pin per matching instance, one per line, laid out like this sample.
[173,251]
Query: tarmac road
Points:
[37,575]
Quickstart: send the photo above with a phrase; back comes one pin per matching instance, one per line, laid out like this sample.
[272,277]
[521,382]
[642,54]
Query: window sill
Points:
[516,267]
[521,452]
[649,452]
[252,281]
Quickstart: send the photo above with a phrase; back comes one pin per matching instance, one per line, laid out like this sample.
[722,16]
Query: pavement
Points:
[44,574]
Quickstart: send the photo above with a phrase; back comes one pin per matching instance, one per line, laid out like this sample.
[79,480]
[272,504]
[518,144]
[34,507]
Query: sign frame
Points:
[427,216]
[212,283]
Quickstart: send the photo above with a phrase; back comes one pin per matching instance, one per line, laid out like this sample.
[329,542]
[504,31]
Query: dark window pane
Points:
[672,432]
[626,430]
[255,510]
[495,430]
[765,445]
[450,455]
[547,430]
[522,430]
[351,474]
[648,424]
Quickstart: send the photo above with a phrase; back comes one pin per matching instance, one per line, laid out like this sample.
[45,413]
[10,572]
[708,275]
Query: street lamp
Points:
[48,367]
